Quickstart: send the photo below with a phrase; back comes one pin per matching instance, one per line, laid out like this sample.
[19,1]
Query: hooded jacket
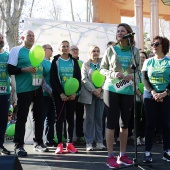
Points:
[55,80]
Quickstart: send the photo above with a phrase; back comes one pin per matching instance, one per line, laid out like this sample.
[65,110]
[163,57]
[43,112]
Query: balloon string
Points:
[61,110]
[34,86]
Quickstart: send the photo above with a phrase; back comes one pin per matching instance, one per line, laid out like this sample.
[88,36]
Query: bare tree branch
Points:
[31,8]
[72,13]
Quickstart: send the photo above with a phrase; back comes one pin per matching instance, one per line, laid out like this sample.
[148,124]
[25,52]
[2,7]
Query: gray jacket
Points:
[110,63]
[87,84]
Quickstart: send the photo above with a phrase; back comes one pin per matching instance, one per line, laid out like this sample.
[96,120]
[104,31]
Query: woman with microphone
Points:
[118,91]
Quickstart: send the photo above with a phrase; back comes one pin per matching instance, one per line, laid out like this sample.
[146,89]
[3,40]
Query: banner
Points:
[82,34]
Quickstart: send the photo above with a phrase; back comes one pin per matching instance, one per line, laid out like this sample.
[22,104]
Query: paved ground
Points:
[94,160]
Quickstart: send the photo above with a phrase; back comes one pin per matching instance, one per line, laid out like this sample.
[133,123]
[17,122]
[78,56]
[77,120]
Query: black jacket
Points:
[55,81]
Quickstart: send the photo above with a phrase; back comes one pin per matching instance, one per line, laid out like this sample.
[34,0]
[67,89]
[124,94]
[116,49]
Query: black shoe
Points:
[4,151]
[40,148]
[147,158]
[166,157]
[20,151]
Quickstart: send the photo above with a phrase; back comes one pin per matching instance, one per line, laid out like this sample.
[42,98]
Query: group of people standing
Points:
[115,98]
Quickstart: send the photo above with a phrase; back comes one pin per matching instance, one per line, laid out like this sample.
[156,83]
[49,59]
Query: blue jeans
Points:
[4,107]
[152,110]
[49,117]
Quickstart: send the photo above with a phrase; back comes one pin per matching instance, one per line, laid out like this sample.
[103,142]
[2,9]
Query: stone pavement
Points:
[93,160]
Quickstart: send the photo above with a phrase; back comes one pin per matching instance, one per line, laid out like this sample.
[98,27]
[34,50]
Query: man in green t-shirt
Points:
[4,95]
[27,92]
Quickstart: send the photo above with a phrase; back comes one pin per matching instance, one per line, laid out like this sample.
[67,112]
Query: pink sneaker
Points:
[70,147]
[111,162]
[59,149]
[124,160]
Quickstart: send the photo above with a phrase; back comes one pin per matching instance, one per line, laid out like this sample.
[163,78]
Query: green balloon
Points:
[141,87]
[71,86]
[11,130]
[97,78]
[80,64]
[36,55]
[55,138]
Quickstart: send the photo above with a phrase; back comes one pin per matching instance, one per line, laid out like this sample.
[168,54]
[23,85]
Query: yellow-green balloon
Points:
[97,78]
[141,87]
[71,86]
[36,55]
[11,130]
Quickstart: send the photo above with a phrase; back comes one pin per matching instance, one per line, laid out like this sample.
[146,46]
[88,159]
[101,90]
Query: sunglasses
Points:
[95,51]
[50,49]
[156,44]
[9,115]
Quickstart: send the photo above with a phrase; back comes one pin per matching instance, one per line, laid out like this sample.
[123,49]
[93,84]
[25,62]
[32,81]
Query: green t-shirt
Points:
[46,68]
[19,56]
[158,72]
[4,76]
[120,85]
[65,68]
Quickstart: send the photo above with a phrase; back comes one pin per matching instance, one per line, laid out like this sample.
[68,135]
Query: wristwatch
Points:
[167,91]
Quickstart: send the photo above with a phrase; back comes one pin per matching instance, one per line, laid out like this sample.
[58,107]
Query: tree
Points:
[10,13]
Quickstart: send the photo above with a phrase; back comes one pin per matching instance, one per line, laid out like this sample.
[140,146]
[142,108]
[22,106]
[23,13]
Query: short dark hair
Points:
[143,52]
[165,43]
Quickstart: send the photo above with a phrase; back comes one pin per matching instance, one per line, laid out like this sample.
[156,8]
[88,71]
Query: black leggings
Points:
[117,105]
[65,110]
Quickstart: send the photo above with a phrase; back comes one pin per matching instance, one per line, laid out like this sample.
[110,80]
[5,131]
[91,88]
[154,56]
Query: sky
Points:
[44,9]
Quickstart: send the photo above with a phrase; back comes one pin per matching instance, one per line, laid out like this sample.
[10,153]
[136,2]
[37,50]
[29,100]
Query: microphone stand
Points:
[134,66]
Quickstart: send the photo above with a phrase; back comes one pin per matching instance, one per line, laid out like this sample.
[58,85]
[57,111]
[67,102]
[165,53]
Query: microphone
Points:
[128,35]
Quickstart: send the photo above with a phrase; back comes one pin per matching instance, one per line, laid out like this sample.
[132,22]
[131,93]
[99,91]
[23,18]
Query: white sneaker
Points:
[100,146]
[89,147]
[142,141]
[138,141]
[114,142]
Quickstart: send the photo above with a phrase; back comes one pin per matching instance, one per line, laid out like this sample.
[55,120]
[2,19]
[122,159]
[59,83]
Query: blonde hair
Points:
[91,48]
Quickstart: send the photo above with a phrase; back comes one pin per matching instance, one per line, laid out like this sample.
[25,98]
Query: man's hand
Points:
[29,69]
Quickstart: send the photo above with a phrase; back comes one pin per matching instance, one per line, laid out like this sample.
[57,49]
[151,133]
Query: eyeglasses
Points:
[50,49]
[156,44]
[95,51]
[75,49]
[9,115]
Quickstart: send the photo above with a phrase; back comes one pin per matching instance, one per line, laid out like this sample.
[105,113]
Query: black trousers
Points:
[4,108]
[24,102]
[65,110]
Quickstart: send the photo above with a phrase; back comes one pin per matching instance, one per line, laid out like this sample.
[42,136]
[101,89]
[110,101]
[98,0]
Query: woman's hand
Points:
[63,97]
[128,77]
[119,75]
[97,92]
[158,96]
[72,97]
